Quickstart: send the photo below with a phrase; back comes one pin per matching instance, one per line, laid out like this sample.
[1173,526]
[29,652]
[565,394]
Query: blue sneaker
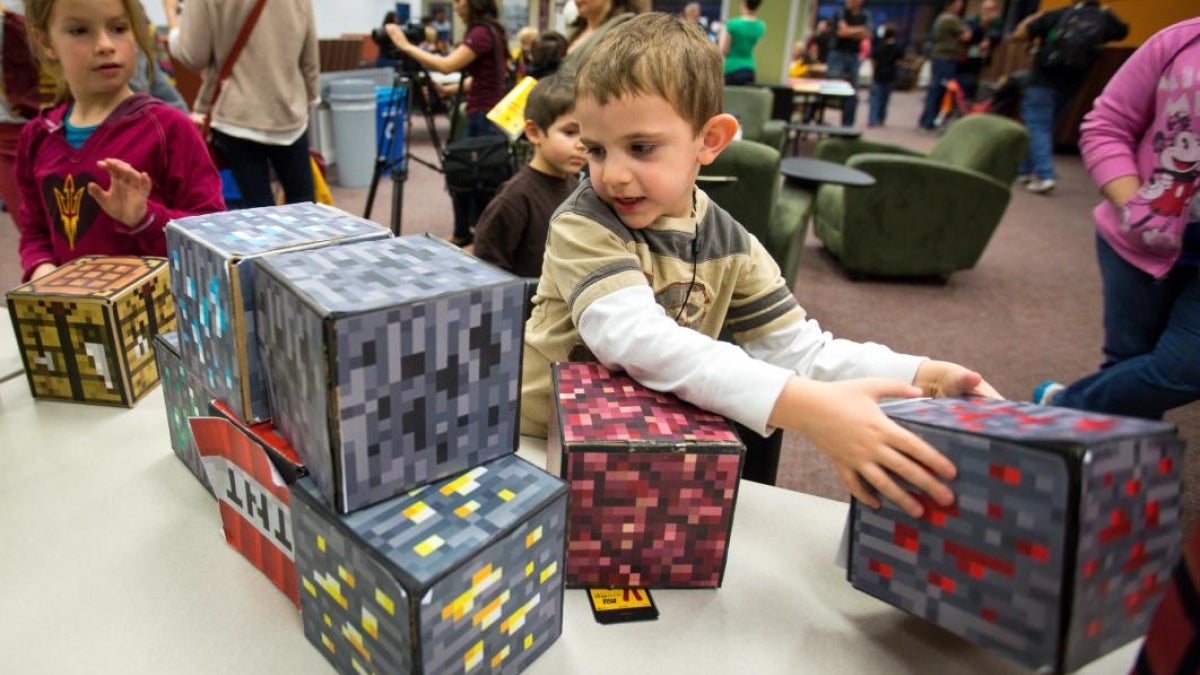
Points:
[1047,392]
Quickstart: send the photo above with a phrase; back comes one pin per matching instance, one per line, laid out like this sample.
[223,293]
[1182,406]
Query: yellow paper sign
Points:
[604,599]
[509,113]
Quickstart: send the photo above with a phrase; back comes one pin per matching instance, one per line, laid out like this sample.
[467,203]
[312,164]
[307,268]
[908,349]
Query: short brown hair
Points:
[551,98]
[657,54]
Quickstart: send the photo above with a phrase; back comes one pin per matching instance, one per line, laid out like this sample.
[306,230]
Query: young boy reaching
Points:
[643,272]
[511,232]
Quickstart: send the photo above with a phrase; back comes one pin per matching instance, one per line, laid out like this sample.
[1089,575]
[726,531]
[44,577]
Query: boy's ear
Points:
[533,132]
[716,134]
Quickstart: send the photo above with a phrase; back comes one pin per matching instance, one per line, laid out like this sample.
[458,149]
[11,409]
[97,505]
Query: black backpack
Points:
[1071,45]
[477,164]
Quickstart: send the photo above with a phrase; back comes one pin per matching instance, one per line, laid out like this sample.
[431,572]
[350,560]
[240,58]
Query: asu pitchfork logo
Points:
[69,199]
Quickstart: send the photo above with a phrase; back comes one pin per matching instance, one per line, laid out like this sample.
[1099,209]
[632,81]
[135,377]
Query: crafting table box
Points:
[1059,543]
[250,468]
[464,575]
[86,330]
[213,284]
[391,364]
[653,480]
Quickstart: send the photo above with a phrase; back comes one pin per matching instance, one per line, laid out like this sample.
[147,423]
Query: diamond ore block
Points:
[464,575]
[86,330]
[1059,543]
[653,479]
[213,285]
[185,397]
[250,468]
[391,364]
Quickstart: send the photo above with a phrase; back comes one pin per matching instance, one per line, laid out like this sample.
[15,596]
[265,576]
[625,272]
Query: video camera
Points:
[413,30]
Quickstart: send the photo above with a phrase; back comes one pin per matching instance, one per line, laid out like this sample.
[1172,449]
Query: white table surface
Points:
[113,561]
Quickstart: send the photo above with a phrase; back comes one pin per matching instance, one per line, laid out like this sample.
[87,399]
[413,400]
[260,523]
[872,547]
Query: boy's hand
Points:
[125,198]
[844,421]
[942,378]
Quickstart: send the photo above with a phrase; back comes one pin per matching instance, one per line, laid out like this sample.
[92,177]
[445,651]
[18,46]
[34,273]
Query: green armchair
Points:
[745,181]
[927,215]
[752,105]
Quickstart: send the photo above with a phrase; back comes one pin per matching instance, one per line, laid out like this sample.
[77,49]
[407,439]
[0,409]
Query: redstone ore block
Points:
[653,481]
[1060,541]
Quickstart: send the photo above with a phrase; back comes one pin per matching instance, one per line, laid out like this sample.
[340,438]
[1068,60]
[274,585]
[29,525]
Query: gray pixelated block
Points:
[184,398]
[464,575]
[1065,523]
[214,287]
[391,364]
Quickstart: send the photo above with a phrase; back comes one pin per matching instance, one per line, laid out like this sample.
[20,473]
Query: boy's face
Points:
[559,152]
[644,157]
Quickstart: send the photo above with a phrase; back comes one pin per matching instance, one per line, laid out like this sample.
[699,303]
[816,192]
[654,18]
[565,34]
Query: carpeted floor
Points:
[1030,310]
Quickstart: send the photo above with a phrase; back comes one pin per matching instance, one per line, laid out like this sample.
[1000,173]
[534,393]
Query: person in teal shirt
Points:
[738,39]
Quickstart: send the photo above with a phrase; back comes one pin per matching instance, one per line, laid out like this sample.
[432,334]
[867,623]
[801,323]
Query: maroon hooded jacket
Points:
[59,221]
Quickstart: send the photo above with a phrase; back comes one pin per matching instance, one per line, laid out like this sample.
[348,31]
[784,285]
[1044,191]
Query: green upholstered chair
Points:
[927,215]
[752,105]
[745,181]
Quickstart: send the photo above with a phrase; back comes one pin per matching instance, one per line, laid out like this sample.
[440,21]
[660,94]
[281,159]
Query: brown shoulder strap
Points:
[236,51]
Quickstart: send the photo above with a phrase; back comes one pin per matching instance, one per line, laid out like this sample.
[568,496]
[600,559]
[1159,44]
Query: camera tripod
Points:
[415,86]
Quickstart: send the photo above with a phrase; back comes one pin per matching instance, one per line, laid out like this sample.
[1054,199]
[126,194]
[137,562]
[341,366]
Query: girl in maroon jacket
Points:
[102,172]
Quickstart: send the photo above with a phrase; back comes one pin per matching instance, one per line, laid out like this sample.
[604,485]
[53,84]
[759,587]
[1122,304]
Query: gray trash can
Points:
[352,104]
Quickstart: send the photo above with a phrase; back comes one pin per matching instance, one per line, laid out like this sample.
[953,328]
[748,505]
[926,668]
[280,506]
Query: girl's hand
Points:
[42,270]
[125,198]
[396,33]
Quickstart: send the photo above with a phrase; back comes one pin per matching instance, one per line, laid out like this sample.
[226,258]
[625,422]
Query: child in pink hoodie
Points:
[102,172]
[1141,145]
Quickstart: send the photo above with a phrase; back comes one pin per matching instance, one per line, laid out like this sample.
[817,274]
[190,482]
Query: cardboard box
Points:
[213,285]
[391,364]
[185,397]
[86,330]
[250,468]
[1060,541]
[654,482]
[464,575]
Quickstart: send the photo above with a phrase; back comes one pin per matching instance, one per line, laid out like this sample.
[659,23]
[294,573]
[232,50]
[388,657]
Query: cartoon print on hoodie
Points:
[1169,193]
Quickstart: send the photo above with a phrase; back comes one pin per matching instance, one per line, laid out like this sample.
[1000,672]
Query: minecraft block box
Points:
[86,330]
[250,468]
[1061,538]
[185,397]
[391,364]
[654,481]
[213,285]
[463,575]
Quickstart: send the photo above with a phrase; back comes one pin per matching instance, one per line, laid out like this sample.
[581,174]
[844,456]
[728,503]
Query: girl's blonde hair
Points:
[37,25]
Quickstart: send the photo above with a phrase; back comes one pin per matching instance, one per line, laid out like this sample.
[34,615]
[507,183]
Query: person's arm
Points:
[1120,115]
[1023,30]
[191,41]
[725,40]
[34,246]
[461,57]
[310,60]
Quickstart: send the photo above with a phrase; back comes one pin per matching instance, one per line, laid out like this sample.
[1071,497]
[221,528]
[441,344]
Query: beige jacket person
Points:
[274,80]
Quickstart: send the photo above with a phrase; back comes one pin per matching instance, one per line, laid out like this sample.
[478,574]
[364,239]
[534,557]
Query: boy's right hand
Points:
[844,421]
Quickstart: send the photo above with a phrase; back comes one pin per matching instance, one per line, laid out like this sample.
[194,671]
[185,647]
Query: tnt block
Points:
[213,285]
[86,330]
[464,575]
[1061,539]
[391,364]
[653,479]
[184,397]
[250,468]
